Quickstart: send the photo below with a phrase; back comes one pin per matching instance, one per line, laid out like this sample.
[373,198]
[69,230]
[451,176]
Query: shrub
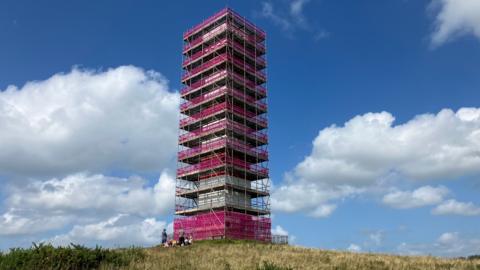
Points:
[74,257]
[272,266]
[474,257]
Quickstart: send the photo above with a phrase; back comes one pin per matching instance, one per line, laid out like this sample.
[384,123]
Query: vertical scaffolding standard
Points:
[222,187]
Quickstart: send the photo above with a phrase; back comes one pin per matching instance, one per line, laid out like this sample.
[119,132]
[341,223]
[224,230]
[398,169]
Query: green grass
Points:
[223,255]
[228,254]
[73,257]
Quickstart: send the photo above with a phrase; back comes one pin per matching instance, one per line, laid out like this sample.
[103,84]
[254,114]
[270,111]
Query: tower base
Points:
[224,225]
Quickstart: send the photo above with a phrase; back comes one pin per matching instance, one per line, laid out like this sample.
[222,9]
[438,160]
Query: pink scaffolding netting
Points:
[224,224]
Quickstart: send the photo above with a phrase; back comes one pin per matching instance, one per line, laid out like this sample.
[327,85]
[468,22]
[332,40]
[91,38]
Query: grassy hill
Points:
[220,255]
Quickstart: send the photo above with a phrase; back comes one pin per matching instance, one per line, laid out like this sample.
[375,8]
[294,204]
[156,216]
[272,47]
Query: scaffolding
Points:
[222,186]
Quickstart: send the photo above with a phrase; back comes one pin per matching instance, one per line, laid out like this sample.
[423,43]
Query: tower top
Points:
[222,13]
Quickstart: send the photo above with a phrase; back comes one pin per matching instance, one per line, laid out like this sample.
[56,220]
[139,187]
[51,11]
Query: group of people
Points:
[182,241]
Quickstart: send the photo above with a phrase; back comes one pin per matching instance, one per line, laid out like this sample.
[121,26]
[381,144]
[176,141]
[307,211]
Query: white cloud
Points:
[309,197]
[296,11]
[278,230]
[423,196]
[455,18]
[448,238]
[368,151]
[52,204]
[269,13]
[120,230]
[453,207]
[15,222]
[451,244]
[291,19]
[376,237]
[324,210]
[369,146]
[354,248]
[410,249]
[98,192]
[296,7]
[123,118]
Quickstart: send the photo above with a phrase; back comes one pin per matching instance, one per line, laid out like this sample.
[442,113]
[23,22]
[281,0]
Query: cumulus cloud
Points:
[312,198]
[422,196]
[62,138]
[448,238]
[120,230]
[278,230]
[363,154]
[17,222]
[455,18]
[97,192]
[453,207]
[52,204]
[324,210]
[354,248]
[451,244]
[84,120]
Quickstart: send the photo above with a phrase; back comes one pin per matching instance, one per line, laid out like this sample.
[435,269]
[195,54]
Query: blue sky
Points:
[339,72]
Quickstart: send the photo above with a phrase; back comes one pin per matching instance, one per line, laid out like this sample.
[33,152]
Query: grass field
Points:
[247,255]
[220,255]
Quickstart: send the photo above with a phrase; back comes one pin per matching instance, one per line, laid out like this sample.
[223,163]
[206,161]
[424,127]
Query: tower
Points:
[222,186]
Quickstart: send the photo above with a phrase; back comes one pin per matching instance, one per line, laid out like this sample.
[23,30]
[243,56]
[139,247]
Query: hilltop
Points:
[249,255]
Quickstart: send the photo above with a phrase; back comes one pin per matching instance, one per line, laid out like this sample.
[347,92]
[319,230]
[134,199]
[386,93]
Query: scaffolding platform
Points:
[222,183]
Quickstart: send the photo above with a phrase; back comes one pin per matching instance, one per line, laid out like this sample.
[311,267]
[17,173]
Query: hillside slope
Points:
[216,255]
[247,255]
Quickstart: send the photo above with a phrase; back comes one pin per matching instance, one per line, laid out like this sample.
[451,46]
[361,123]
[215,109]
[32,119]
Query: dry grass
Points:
[248,255]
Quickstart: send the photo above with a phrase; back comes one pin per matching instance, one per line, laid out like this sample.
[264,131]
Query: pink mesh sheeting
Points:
[220,224]
[243,226]
[202,226]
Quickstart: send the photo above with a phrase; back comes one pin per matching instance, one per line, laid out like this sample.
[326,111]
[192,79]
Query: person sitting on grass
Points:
[181,240]
[189,240]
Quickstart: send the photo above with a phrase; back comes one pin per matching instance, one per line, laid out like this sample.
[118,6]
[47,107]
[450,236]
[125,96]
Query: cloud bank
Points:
[368,151]
[66,141]
[447,244]
[115,229]
[123,118]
